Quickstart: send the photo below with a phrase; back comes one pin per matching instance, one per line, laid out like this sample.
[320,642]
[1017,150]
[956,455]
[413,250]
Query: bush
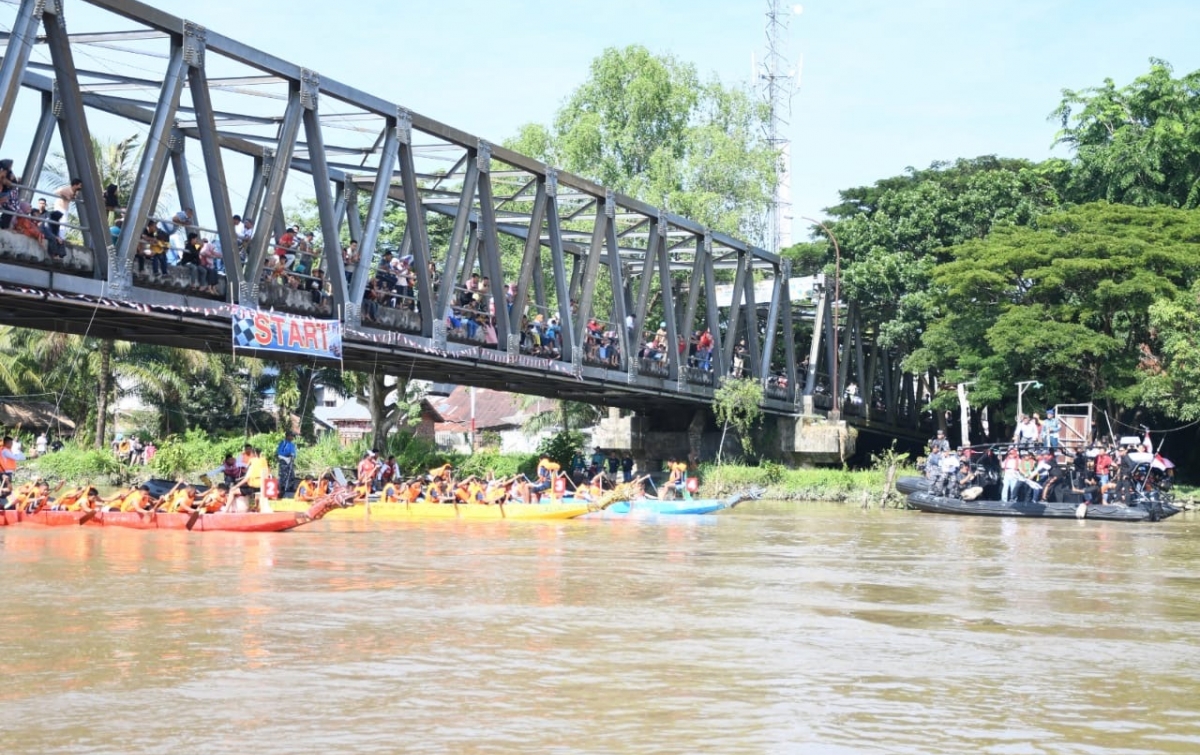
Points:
[504,465]
[561,447]
[77,465]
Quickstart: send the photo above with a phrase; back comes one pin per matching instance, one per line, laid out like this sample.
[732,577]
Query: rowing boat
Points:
[652,507]
[421,510]
[278,521]
[1146,509]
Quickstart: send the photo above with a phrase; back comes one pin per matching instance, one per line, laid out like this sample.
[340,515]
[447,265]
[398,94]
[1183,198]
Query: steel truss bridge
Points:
[229,120]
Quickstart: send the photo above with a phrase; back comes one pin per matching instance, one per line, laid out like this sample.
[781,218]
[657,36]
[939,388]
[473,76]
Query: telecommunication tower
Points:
[779,81]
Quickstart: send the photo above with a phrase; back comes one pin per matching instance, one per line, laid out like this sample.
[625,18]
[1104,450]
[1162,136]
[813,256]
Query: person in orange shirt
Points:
[213,499]
[137,499]
[307,490]
[86,499]
[180,499]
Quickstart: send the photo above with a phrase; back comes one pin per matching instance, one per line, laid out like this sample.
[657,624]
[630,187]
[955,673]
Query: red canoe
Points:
[276,522]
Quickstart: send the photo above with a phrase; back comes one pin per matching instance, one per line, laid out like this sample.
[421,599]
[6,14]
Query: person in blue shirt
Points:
[285,452]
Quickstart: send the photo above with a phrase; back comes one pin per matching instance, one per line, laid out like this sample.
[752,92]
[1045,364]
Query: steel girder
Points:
[596,241]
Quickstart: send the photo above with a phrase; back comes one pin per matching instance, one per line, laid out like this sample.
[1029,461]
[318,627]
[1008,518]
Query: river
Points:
[773,628]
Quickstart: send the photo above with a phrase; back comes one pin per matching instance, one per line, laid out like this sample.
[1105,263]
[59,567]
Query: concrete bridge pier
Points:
[813,439]
[652,438]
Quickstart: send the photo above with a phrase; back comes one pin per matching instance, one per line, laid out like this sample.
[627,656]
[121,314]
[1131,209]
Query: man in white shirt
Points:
[65,196]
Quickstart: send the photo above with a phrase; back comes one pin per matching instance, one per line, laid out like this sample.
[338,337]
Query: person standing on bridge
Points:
[65,196]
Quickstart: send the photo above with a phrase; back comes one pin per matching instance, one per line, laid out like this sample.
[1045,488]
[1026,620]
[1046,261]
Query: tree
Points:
[738,402]
[1067,303]
[1171,381]
[646,125]
[394,401]
[1137,144]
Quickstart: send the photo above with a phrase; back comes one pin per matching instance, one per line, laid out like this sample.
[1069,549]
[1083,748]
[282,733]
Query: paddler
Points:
[180,499]
[675,480]
[134,499]
[37,499]
[214,498]
[85,499]
[368,466]
[547,470]
[307,489]
[251,483]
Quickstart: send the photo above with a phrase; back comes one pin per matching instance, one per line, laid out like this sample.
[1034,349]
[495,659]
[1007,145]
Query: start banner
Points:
[275,331]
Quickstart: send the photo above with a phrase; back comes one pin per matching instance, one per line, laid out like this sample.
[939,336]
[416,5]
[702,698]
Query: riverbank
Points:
[811,484]
[862,486]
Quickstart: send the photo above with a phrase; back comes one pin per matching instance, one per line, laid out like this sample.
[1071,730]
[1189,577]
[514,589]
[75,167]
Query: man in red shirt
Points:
[1103,465]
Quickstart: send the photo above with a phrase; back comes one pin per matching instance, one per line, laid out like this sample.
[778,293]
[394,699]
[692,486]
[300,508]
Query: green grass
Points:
[839,485]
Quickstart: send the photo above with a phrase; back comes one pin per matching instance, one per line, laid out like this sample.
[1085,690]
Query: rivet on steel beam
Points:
[610,203]
[310,88]
[551,182]
[708,243]
[403,126]
[484,158]
[56,104]
[195,39]
[268,160]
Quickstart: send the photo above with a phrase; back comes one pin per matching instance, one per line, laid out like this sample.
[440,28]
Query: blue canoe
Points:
[652,507]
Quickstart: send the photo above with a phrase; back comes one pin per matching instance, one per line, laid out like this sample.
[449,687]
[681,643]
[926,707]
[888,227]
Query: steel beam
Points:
[694,283]
[263,163]
[735,310]
[643,297]
[753,356]
[781,274]
[418,237]
[16,59]
[264,224]
[375,212]
[531,257]
[73,127]
[616,275]
[720,364]
[450,275]
[588,281]
[152,170]
[814,349]
[183,177]
[473,241]
[558,262]
[668,303]
[789,336]
[210,148]
[40,147]
[339,205]
[335,273]
[353,216]
[489,261]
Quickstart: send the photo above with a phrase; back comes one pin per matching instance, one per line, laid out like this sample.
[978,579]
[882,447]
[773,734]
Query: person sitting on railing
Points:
[554,334]
[190,258]
[285,247]
[112,203]
[243,235]
[10,194]
[468,293]
[209,257]
[316,287]
[167,229]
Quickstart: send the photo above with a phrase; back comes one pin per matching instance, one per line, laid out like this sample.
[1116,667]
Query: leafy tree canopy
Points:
[648,126]
[1067,303]
[1137,144]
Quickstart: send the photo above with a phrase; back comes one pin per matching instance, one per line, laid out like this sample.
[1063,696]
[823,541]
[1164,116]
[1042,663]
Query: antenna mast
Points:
[779,84]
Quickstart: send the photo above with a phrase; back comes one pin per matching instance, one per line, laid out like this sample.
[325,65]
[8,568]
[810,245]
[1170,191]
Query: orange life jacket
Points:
[306,491]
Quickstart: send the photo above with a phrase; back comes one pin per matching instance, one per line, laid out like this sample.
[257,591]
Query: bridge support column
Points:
[810,439]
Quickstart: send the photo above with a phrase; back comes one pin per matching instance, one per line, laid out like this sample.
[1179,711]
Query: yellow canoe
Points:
[475,512]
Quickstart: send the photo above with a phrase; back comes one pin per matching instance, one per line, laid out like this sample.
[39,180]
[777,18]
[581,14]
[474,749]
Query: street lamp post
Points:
[1021,387]
[836,413]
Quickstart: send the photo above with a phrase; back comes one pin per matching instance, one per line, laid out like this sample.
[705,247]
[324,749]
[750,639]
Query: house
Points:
[35,417]
[350,419]
[458,421]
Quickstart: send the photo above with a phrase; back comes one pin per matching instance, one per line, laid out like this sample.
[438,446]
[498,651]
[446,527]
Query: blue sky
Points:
[886,85]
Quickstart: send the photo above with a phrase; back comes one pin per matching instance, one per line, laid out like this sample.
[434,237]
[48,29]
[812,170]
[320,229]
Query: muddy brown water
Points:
[774,628]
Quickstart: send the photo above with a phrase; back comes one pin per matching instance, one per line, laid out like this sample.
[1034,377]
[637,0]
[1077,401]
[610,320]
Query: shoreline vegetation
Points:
[196,454]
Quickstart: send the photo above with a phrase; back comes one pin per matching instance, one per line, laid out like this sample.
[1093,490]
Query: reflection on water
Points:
[773,628]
